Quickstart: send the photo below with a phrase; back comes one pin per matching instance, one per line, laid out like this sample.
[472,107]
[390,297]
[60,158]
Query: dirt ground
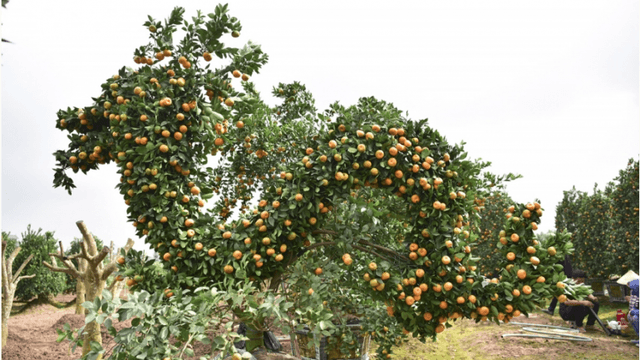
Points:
[32,336]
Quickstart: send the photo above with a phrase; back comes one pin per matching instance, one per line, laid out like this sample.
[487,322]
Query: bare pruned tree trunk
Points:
[9,285]
[93,276]
[80,293]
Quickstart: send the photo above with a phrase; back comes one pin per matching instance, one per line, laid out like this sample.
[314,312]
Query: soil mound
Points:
[76,321]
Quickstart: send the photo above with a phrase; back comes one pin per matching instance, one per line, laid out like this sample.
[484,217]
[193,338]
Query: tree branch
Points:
[88,239]
[72,272]
[14,277]
[85,252]
[17,280]
[10,261]
[66,261]
[323,231]
[371,252]
[57,269]
[97,260]
[61,251]
[326,243]
[382,248]
[5,275]
[111,256]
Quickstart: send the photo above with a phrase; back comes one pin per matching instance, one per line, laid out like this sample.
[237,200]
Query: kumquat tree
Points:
[378,203]
[604,225]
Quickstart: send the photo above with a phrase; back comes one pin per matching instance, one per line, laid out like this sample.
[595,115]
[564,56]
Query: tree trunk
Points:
[7,303]
[51,300]
[93,287]
[79,297]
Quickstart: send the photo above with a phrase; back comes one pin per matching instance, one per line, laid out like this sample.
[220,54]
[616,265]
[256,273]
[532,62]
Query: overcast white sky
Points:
[546,89]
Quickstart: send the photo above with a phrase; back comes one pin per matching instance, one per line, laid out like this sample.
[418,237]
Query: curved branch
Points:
[382,248]
[71,272]
[10,261]
[323,231]
[371,252]
[17,280]
[14,277]
[326,243]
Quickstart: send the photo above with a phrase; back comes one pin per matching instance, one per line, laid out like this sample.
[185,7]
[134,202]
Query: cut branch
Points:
[97,260]
[92,250]
[11,258]
[17,280]
[15,276]
[71,272]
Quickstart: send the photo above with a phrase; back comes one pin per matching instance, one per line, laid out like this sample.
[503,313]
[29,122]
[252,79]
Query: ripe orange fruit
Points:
[516,292]
[472,299]
[515,237]
[446,260]
[121,260]
[511,256]
[228,269]
[534,260]
[410,300]
[212,252]
[166,256]
[526,289]
[484,311]
[419,273]
[522,274]
[531,250]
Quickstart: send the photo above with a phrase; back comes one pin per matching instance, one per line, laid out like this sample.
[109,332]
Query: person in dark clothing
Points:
[576,310]
[566,264]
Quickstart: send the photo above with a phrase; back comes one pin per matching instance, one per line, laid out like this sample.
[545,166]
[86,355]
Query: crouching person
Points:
[576,310]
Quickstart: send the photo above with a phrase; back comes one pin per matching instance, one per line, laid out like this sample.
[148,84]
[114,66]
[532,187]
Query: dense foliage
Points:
[45,284]
[486,228]
[604,225]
